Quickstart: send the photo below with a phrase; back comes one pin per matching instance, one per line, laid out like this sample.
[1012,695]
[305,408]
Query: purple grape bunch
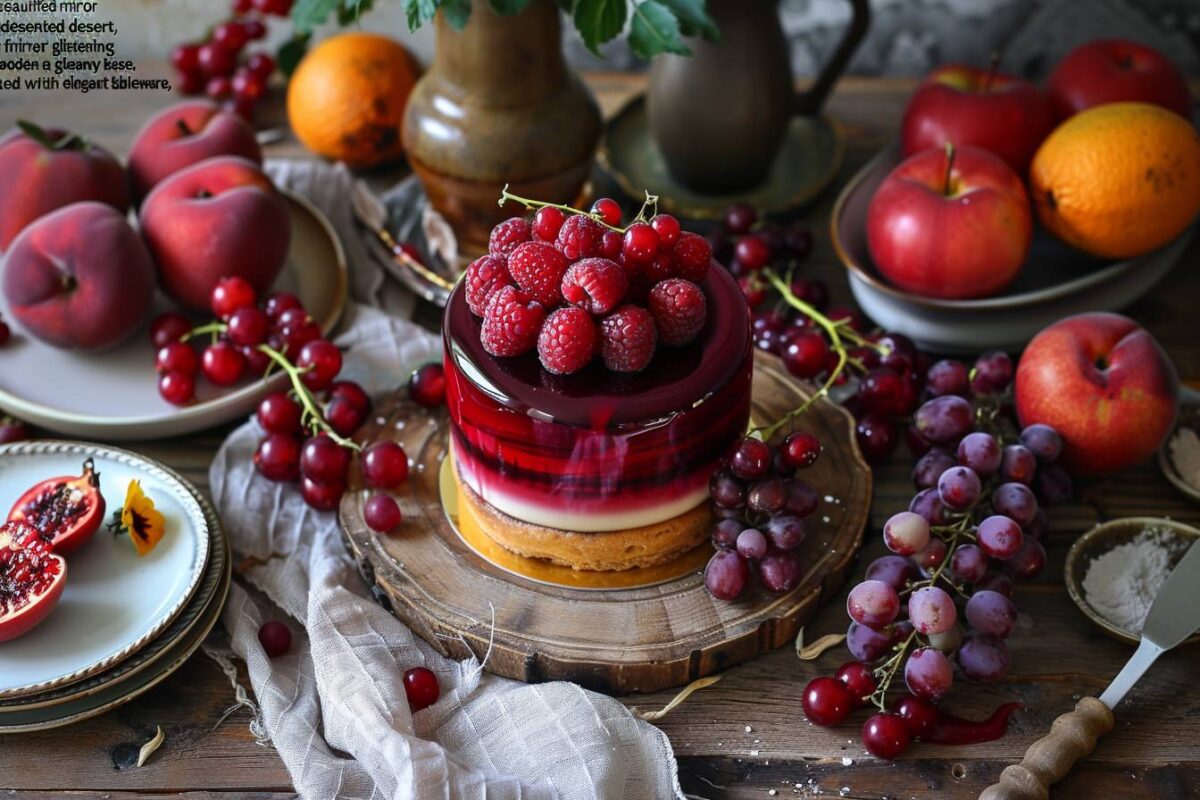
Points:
[940,603]
[760,504]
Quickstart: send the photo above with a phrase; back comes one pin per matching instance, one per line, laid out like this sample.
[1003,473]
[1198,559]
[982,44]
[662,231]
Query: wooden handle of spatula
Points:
[1072,736]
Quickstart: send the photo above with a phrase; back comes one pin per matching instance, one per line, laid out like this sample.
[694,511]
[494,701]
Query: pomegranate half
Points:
[32,578]
[65,511]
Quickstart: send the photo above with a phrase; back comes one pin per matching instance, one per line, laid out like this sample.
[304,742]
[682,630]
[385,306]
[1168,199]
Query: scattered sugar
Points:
[847,761]
[1121,584]
[749,729]
[754,753]
[1185,455]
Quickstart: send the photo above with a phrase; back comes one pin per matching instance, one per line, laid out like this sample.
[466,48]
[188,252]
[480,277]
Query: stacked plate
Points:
[124,622]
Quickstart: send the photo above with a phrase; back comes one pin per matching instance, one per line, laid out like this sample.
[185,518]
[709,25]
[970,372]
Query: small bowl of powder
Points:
[1115,570]
[1179,457]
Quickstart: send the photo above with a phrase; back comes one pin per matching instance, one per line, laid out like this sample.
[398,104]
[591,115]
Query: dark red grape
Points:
[928,673]
[919,715]
[1015,500]
[859,679]
[991,613]
[826,701]
[876,437]
[1018,464]
[998,536]
[866,643]
[929,505]
[802,499]
[751,460]
[959,488]
[981,452]
[725,533]
[740,218]
[780,571]
[993,372]
[726,575]
[948,377]
[421,688]
[801,449]
[895,571]
[785,531]
[968,563]
[382,513]
[751,544]
[275,638]
[1043,441]
[906,533]
[882,392]
[943,420]
[995,582]
[930,467]
[873,603]
[1053,484]
[886,735]
[726,490]
[931,610]
[983,658]
[1029,560]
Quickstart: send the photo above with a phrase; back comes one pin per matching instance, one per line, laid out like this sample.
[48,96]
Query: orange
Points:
[1118,180]
[346,99]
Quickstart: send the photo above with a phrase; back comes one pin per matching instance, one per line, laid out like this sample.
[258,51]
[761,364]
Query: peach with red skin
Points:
[1105,385]
[79,277]
[183,135]
[957,234]
[219,218]
[39,175]
[1115,71]
[969,106]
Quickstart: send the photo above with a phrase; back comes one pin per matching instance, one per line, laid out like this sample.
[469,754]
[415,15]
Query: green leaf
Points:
[351,11]
[419,12]
[693,19]
[308,14]
[290,53]
[69,141]
[655,30]
[507,8]
[457,12]
[599,21]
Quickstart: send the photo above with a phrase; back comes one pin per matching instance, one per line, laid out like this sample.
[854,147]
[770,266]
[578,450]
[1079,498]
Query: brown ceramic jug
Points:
[719,116]
[498,105]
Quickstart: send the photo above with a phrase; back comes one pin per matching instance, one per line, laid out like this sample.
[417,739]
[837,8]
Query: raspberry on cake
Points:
[538,269]
[567,341]
[679,309]
[627,339]
[484,278]
[692,254]
[579,237]
[506,236]
[595,284]
[511,322]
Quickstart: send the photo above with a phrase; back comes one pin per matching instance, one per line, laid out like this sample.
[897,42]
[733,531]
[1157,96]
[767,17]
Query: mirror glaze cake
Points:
[598,469]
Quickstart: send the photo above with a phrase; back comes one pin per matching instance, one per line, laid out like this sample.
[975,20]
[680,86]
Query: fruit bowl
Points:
[113,395]
[1054,282]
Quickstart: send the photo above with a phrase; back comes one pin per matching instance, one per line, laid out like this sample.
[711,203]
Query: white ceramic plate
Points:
[114,395]
[114,602]
[1055,281]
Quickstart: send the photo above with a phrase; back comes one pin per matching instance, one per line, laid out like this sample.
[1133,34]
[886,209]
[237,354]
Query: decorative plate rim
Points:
[197,514]
[22,407]
[1010,302]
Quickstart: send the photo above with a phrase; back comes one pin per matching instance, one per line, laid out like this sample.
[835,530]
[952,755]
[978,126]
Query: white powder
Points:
[1121,584]
[1185,455]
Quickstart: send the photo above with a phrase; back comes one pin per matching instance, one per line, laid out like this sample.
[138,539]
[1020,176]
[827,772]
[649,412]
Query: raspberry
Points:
[693,254]
[511,322]
[508,235]
[485,275]
[567,341]
[538,269]
[579,237]
[627,339]
[679,310]
[595,285]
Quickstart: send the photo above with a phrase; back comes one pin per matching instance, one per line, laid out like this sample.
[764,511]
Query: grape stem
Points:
[648,210]
[312,417]
[839,333]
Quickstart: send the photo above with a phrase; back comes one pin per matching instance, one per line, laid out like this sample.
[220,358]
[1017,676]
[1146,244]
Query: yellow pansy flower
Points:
[141,520]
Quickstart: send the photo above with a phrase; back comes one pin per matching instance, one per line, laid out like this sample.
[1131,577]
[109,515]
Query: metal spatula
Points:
[1174,617]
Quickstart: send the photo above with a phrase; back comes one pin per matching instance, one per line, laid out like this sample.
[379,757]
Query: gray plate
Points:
[1055,282]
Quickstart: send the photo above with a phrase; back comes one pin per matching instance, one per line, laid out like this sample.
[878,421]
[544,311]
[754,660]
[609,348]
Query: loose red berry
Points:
[826,701]
[859,679]
[567,341]
[230,35]
[886,735]
[261,65]
[213,60]
[627,339]
[385,465]
[740,218]
[752,253]
[177,388]
[421,688]
[610,245]
[275,638]
[608,210]
[382,513]
[229,295]
[248,86]
[427,386]
[184,58]
[506,236]
[255,30]
[218,87]
[177,357]
[679,310]
[804,354]
[753,290]
[801,450]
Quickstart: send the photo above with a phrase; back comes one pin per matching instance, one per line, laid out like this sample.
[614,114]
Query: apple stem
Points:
[949,168]
[183,127]
[991,71]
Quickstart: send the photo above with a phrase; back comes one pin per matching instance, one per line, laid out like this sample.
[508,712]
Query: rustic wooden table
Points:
[746,736]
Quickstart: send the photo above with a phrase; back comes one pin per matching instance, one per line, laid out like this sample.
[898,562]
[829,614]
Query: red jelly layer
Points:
[599,446]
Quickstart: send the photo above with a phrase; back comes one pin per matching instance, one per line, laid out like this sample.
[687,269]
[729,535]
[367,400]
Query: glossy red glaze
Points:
[599,443]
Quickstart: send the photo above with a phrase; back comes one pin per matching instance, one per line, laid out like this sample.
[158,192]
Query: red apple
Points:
[1105,385]
[183,135]
[968,106]
[1115,71]
[952,223]
[42,170]
[219,218]
[79,277]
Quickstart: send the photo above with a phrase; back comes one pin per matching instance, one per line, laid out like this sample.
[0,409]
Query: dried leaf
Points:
[819,646]
[149,747]
[653,716]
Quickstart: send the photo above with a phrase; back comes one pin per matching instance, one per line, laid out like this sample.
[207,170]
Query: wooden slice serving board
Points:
[620,640]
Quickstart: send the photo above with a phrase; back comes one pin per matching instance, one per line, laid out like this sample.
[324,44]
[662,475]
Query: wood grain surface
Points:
[1057,657]
[616,641]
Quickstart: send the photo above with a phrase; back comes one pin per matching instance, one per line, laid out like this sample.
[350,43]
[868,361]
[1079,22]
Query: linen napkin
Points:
[334,706]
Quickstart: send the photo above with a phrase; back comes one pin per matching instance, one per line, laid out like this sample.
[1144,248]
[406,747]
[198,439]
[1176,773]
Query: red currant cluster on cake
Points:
[212,66]
[575,285]
[760,504]
[972,529]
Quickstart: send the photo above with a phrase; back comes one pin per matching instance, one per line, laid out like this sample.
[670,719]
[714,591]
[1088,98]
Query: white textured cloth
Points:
[334,706]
